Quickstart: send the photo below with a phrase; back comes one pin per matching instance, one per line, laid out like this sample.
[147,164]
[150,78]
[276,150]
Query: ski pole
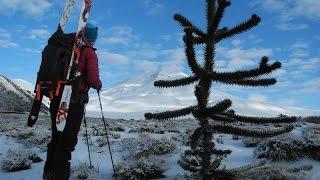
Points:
[85,125]
[105,128]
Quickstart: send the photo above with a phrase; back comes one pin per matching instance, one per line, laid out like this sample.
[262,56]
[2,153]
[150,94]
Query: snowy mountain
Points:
[29,88]
[137,95]
[15,96]
[23,84]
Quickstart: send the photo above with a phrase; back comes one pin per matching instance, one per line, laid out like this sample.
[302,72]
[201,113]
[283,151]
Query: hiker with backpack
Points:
[57,165]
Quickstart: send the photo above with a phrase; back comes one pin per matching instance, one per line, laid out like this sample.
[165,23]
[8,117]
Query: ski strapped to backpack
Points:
[73,72]
[45,86]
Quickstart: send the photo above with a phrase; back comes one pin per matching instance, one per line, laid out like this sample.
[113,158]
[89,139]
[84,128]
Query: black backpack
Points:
[54,65]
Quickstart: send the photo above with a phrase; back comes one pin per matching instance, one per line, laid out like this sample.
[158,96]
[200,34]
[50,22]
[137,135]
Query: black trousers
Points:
[63,143]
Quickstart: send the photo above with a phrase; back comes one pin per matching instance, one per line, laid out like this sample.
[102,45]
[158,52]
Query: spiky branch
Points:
[175,83]
[229,129]
[238,29]
[170,114]
[263,69]
[260,120]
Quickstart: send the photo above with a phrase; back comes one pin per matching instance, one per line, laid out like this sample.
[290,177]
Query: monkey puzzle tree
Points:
[217,118]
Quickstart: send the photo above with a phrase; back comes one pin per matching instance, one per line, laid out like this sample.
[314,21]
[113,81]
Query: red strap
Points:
[45,82]
[38,92]
[59,84]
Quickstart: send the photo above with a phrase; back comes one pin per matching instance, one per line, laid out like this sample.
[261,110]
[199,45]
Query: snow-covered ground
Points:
[124,137]
[34,173]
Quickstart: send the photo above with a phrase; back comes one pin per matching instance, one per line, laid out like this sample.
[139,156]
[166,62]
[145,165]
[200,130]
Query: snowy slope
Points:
[25,85]
[13,98]
[15,95]
[29,87]
[137,95]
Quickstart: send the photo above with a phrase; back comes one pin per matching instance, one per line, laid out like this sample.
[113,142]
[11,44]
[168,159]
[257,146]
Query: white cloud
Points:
[271,5]
[154,59]
[258,98]
[114,59]
[109,74]
[291,26]
[300,53]
[116,41]
[279,73]
[35,8]
[8,43]
[239,63]
[29,50]
[145,65]
[220,63]
[289,10]
[4,43]
[15,69]
[254,39]
[39,34]
[286,84]
[172,60]
[119,35]
[236,42]
[306,8]
[166,37]
[175,59]
[304,65]
[301,45]
[238,58]
[286,102]
[153,7]
[4,33]
[174,54]
[299,49]
[147,53]
[311,86]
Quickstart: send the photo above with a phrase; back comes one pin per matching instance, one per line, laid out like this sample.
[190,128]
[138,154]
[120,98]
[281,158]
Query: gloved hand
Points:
[99,88]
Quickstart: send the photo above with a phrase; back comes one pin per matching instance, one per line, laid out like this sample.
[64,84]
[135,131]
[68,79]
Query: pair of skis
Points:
[62,114]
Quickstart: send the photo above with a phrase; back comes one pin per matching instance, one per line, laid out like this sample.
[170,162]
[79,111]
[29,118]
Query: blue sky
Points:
[140,35]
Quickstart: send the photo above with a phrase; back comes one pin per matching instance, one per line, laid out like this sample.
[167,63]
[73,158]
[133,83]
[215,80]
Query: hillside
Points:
[13,98]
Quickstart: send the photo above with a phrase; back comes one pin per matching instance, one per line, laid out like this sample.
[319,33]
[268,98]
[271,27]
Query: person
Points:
[57,165]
